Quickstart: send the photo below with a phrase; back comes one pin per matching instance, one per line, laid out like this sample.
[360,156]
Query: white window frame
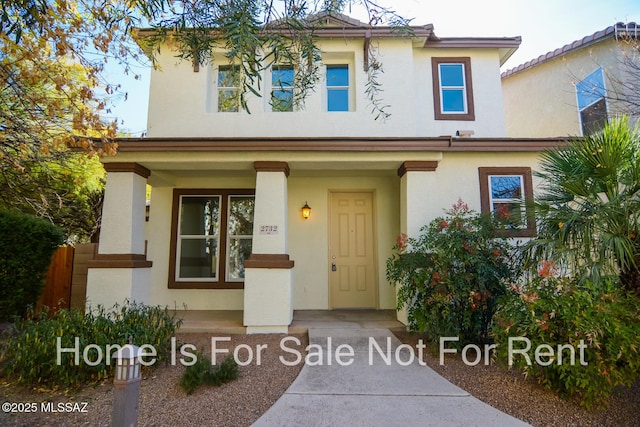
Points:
[519,200]
[347,87]
[230,237]
[180,237]
[226,88]
[282,88]
[462,88]
[527,225]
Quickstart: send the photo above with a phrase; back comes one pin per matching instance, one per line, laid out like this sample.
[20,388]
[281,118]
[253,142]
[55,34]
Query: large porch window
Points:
[211,237]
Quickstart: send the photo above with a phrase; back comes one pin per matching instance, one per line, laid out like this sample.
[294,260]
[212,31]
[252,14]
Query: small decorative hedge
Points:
[26,246]
[33,355]
[555,314]
[202,372]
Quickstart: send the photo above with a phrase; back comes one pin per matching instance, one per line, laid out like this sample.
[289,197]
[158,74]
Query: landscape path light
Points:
[126,391]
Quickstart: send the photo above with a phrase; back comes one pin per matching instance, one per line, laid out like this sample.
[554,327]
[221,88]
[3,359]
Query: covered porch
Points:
[363,192]
[281,262]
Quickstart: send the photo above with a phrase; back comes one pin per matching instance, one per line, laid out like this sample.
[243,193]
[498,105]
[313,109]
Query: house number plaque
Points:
[268,229]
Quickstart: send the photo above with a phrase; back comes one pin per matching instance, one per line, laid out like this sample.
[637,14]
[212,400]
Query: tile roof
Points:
[620,31]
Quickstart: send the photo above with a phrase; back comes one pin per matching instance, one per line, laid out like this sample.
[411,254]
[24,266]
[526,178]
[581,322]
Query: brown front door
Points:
[352,281]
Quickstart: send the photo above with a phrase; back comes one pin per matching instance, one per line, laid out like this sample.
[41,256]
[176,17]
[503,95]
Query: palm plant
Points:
[589,208]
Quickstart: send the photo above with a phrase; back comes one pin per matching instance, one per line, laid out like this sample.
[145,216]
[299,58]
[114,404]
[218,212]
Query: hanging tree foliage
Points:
[54,93]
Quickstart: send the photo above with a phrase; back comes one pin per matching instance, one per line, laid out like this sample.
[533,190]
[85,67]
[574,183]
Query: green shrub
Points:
[202,372]
[450,276]
[26,246]
[31,355]
[557,311]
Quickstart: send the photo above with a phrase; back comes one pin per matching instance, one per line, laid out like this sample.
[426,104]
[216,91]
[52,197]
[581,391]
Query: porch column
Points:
[268,273]
[121,271]
[417,182]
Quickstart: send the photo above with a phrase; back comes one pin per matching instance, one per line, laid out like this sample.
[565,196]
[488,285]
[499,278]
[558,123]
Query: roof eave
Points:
[506,45]
[619,30]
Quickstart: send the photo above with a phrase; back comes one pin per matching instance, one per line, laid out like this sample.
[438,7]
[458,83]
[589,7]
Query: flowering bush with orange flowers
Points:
[449,277]
[554,310]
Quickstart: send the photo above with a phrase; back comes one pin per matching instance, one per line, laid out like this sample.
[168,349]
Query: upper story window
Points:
[452,89]
[212,235]
[592,104]
[503,193]
[337,88]
[228,88]
[282,79]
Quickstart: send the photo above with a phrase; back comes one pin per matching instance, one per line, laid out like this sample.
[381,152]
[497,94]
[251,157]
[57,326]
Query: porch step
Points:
[228,322]
[231,321]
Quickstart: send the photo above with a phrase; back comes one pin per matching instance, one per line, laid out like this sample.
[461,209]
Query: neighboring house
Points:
[573,90]
[225,228]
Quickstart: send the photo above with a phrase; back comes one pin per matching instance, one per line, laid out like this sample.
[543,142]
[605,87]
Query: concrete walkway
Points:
[376,389]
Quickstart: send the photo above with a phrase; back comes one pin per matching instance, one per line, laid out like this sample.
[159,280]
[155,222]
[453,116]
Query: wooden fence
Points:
[66,284]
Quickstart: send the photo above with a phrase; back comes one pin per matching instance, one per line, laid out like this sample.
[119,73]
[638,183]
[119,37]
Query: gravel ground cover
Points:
[525,399]
[163,402]
[241,402]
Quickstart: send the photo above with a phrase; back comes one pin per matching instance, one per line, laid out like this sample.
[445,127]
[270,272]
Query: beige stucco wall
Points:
[309,239]
[183,102]
[541,101]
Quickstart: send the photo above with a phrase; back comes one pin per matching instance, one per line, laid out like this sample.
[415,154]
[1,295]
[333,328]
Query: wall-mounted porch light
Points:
[306,211]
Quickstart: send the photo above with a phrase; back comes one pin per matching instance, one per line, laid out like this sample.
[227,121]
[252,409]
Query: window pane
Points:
[239,251]
[282,76]
[594,117]
[199,216]
[337,75]
[241,215]
[228,76]
[510,214]
[282,100]
[451,75]
[506,187]
[338,100]
[198,258]
[228,100]
[453,101]
[590,89]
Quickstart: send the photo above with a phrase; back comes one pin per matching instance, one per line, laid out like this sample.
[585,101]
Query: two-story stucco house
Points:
[225,228]
[574,89]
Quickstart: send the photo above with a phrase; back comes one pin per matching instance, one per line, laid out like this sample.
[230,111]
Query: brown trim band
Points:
[476,42]
[269,261]
[136,168]
[120,261]
[417,166]
[398,144]
[263,166]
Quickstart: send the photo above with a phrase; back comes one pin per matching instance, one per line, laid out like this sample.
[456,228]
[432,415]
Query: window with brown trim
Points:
[452,89]
[211,236]
[503,193]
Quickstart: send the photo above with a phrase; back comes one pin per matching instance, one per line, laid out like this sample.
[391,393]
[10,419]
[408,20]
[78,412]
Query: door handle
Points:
[333,266]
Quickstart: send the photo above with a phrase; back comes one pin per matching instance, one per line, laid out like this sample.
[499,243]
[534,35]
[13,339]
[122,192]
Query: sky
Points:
[544,25]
